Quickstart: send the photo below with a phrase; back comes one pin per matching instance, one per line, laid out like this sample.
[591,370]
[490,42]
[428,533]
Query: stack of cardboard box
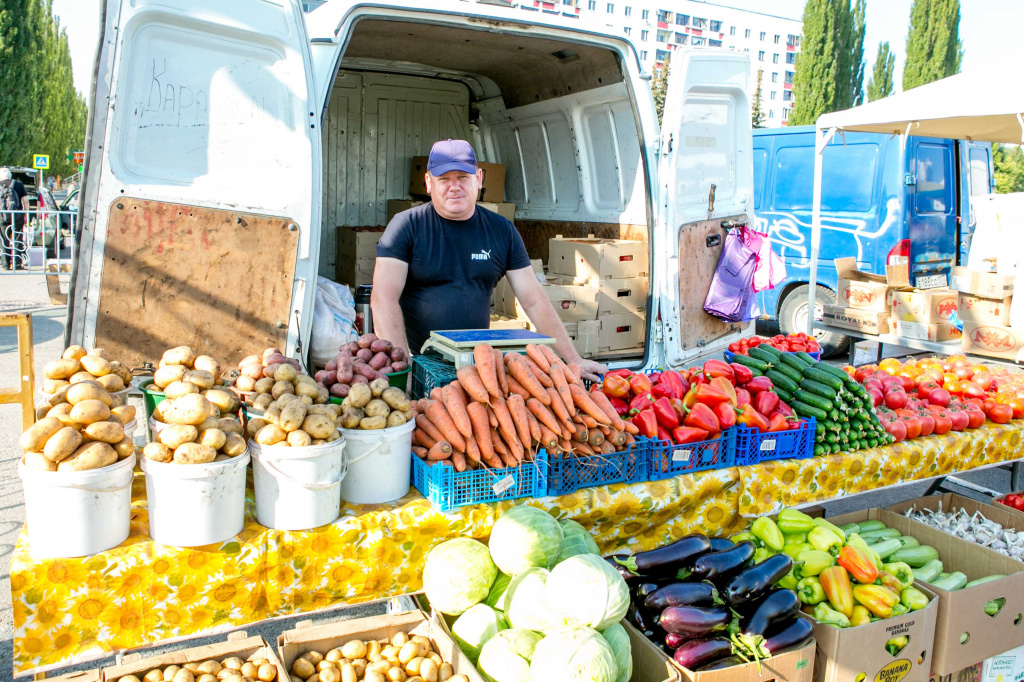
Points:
[984,307]
[926,315]
[357,252]
[864,298]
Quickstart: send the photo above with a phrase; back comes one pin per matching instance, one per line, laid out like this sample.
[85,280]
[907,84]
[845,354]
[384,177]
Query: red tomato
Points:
[913,427]
[798,348]
[960,419]
[898,429]
[942,423]
[734,347]
[1017,405]
[927,424]
[755,341]
[973,390]
[1000,414]
[983,379]
[896,399]
[975,418]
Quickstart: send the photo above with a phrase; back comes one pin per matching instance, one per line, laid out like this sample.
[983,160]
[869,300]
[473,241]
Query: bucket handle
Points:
[269,464]
[382,442]
[88,489]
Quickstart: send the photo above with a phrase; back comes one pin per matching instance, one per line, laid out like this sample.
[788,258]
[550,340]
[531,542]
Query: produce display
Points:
[77,364]
[1013,500]
[711,603]
[539,604]
[793,343]
[376,405]
[401,659]
[231,669]
[193,430]
[360,362]
[501,410]
[252,368]
[973,528]
[282,378]
[293,422]
[84,429]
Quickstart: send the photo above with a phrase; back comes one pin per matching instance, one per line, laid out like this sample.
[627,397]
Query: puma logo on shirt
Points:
[483,255]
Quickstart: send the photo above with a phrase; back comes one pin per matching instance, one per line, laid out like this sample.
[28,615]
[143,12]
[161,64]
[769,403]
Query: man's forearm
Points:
[388,323]
[548,323]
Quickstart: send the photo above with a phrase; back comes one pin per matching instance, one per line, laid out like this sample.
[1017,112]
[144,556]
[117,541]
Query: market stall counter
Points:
[139,592]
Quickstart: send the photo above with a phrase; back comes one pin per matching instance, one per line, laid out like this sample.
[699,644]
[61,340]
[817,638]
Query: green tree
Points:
[659,86]
[857,50]
[1008,162]
[934,50]
[829,69]
[880,83]
[756,113]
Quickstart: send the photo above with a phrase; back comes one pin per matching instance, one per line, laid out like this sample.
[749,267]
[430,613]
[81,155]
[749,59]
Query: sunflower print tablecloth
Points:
[66,610]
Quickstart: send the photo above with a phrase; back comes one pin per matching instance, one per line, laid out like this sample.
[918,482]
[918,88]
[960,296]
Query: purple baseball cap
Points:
[451,155]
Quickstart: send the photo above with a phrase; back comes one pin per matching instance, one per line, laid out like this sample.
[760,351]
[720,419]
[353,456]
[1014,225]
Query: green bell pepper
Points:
[822,523]
[743,537]
[794,538]
[810,591]
[902,572]
[824,540]
[813,562]
[913,598]
[765,530]
[898,610]
[762,553]
[788,581]
[793,521]
[794,551]
[829,616]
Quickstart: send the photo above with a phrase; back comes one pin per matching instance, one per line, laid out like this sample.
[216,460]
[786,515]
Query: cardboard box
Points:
[971,673]
[396,206]
[1008,667]
[943,331]
[585,337]
[993,341]
[293,643]
[985,284]
[794,666]
[505,322]
[138,663]
[867,290]
[354,271]
[621,332]
[866,321]
[494,180]
[358,242]
[572,302]
[617,296]
[932,306]
[984,311]
[963,611]
[591,259]
[650,664]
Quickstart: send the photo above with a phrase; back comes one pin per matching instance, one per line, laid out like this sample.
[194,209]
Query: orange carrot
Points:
[632,429]
[607,448]
[584,402]
[524,375]
[481,430]
[548,439]
[517,409]
[472,451]
[428,427]
[517,388]
[587,420]
[606,430]
[471,383]
[541,375]
[455,403]
[506,426]
[543,414]
[492,418]
[459,460]
[495,462]
[558,407]
[442,449]
[483,360]
[499,369]
[443,421]
[550,354]
[584,449]
[562,386]
[419,451]
[630,440]
[566,434]
[617,438]
[575,373]
[581,435]
[534,352]
[534,426]
[435,393]
[499,445]
[566,445]
[601,400]
[595,438]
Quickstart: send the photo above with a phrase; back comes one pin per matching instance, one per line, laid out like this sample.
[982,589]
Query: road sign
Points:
[41,161]
[79,158]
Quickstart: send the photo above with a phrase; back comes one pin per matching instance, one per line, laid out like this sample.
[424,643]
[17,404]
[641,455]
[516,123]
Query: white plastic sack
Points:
[334,317]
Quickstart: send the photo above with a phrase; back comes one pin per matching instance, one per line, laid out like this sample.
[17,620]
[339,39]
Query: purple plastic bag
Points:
[731,295]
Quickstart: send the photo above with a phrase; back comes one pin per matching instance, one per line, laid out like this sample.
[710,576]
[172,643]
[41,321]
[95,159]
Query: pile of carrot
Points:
[503,409]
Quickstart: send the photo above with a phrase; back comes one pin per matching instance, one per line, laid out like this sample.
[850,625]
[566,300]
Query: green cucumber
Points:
[986,579]
[806,357]
[771,350]
[812,399]
[928,572]
[823,377]
[915,557]
[952,582]
[818,388]
[763,355]
[784,395]
[752,363]
[789,372]
[867,526]
[834,371]
[793,361]
[782,381]
[880,534]
[805,410]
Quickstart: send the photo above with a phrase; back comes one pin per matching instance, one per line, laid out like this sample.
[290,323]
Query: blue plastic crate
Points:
[448,489]
[729,355]
[753,447]
[429,372]
[665,459]
[569,474]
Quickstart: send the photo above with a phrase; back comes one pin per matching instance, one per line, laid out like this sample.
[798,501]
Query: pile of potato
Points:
[285,380]
[292,421]
[231,669]
[252,368]
[77,364]
[182,373]
[84,429]
[360,362]
[403,659]
[195,431]
[376,405]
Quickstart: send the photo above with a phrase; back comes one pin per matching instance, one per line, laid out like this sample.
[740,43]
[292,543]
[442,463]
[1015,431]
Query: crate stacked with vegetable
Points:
[793,343]
[360,362]
[709,604]
[538,603]
[77,364]
[230,669]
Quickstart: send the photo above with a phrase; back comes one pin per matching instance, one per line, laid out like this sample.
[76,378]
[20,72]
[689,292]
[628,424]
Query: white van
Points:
[228,140]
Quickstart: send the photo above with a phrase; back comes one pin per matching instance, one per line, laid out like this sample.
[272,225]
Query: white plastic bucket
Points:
[195,504]
[298,488]
[77,513]
[129,428]
[378,464]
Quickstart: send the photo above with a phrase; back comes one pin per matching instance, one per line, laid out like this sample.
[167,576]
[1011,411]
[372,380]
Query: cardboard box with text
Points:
[866,321]
[993,341]
[138,663]
[985,284]
[943,331]
[867,290]
[792,666]
[933,306]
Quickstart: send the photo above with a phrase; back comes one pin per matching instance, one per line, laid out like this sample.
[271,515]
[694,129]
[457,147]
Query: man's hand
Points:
[591,369]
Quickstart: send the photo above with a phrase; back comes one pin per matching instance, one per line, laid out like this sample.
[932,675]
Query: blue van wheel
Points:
[793,318]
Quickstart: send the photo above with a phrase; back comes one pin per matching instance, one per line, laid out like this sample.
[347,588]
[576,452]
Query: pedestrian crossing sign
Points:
[41,161]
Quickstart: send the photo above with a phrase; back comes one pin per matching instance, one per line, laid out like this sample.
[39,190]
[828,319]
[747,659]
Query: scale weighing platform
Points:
[456,346]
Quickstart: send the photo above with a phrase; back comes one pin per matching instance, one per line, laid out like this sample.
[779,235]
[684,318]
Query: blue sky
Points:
[989,30]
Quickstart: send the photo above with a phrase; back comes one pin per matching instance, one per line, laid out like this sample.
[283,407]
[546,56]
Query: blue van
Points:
[885,200]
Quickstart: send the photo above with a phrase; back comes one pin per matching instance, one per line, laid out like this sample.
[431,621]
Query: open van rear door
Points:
[706,186]
[199,221]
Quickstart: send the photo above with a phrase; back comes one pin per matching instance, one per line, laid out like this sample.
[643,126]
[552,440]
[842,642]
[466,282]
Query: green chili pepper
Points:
[793,521]
[765,530]
[913,598]
[828,616]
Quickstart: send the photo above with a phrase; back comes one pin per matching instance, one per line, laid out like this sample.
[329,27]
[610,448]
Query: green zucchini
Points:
[805,410]
[850,529]
[915,557]
[823,377]
[806,357]
[867,526]
[886,548]
[763,355]
[818,388]
[782,381]
[812,399]
[880,534]
[908,541]
[986,579]
[929,572]
[793,361]
[952,582]
[752,363]
[789,372]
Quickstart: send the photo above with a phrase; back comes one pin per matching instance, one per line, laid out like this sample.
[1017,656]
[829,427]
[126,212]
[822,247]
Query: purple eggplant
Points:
[641,591]
[643,621]
[753,582]
[719,565]
[721,544]
[674,641]
[699,652]
[695,621]
[669,559]
[682,594]
[789,635]
[777,606]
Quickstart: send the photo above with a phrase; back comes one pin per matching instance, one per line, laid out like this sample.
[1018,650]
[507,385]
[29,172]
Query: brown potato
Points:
[90,411]
[299,439]
[125,412]
[63,413]
[377,408]
[111,382]
[282,387]
[158,452]
[253,426]
[105,432]
[271,434]
[397,418]
[396,399]
[230,425]
[264,385]
[87,390]
[73,353]
[81,376]
[177,389]
[121,371]
[378,386]
[93,455]
[61,369]
[262,401]
[318,426]
[245,383]
[292,416]
[352,417]
[125,448]
[182,355]
[234,445]
[194,453]
[207,364]
[39,461]
[359,395]
[225,400]
[35,437]
[191,409]
[99,353]
[214,438]
[285,373]
[201,378]
[53,386]
[177,434]
[165,376]
[94,365]
[309,389]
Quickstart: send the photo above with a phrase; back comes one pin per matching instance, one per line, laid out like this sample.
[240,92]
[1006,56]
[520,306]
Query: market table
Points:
[140,592]
[940,347]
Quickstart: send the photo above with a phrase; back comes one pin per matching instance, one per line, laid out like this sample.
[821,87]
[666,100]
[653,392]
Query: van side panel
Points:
[931,206]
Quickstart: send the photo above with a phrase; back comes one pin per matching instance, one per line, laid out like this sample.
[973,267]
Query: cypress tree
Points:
[880,83]
[756,112]
[659,86]
[857,39]
[934,50]
[829,70]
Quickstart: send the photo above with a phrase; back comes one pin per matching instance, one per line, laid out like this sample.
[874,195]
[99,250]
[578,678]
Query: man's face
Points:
[454,193]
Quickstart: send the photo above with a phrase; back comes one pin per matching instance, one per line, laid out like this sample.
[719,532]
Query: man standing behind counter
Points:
[438,263]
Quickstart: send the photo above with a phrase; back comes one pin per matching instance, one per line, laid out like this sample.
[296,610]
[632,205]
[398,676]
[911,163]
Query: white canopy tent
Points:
[985,107]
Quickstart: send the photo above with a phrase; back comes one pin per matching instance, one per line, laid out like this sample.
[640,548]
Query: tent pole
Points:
[821,140]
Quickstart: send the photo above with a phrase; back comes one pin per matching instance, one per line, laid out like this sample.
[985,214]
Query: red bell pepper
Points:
[654,377]
[697,377]
[665,414]
[765,402]
[624,373]
[646,423]
[688,434]
[709,395]
[690,399]
[615,386]
[742,372]
[640,383]
[726,387]
[753,419]
[641,402]
[662,391]
[742,397]
[679,407]
[758,384]
[785,410]
[621,406]
[717,368]
[778,422]
[663,434]
[675,383]
[726,414]
[702,417]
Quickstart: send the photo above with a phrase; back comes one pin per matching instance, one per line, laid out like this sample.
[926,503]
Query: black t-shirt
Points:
[453,267]
[19,195]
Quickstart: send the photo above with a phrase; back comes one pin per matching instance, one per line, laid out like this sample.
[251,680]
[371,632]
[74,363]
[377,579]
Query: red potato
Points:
[386,369]
[378,360]
[330,377]
[366,340]
[397,355]
[360,379]
[340,390]
[268,370]
[365,354]
[275,359]
[344,376]
[253,370]
[399,366]
[271,351]
[332,364]
[351,347]
[381,346]
[248,360]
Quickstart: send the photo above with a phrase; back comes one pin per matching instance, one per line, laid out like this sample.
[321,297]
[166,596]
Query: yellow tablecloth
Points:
[140,592]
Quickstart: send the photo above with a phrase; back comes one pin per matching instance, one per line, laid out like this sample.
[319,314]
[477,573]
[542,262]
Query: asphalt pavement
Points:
[28,294]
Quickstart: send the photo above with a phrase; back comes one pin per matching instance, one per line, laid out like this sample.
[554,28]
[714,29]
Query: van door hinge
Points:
[909,179]
[656,143]
[657,333]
